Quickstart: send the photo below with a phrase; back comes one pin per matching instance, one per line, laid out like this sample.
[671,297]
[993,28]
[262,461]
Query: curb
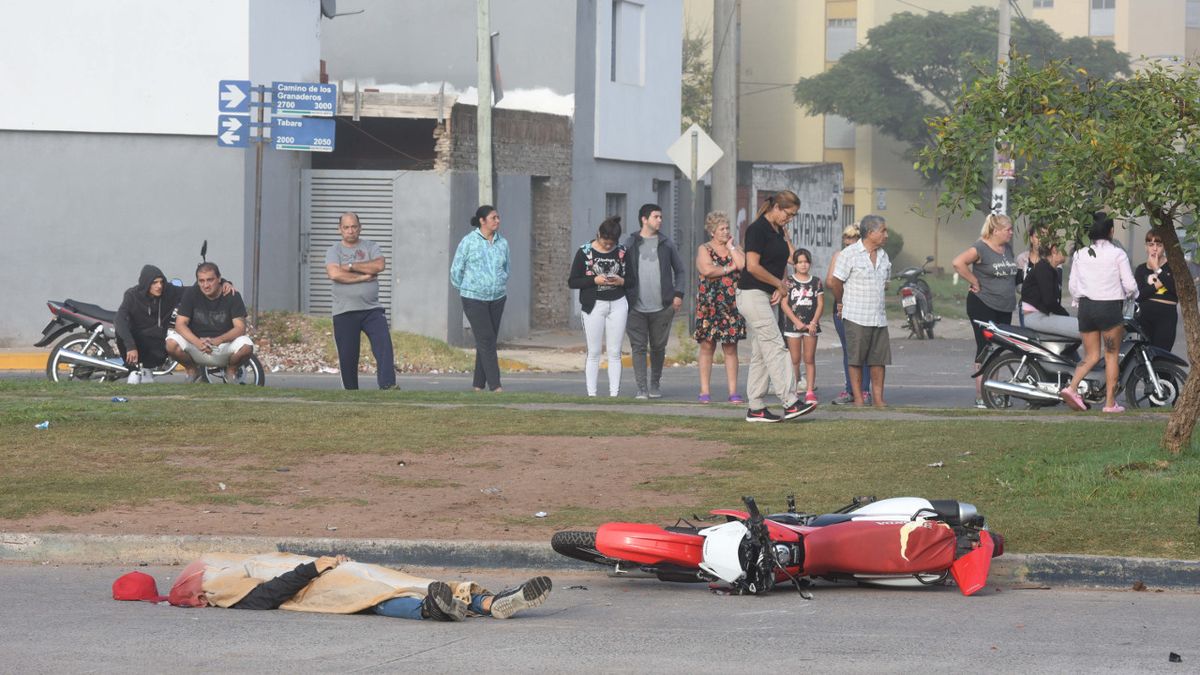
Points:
[1011,569]
[23,360]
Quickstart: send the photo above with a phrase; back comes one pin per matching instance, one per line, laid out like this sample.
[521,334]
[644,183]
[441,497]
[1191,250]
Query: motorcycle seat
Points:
[94,311]
[1037,335]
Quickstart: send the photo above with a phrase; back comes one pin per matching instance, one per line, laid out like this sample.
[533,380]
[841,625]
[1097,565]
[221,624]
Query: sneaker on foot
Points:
[810,397]
[981,404]
[762,415]
[843,398]
[867,398]
[526,596]
[654,392]
[798,409]
[641,395]
[441,605]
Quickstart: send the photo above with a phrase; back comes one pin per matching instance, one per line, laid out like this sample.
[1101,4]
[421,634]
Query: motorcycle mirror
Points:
[928,258]
[204,251]
[177,282]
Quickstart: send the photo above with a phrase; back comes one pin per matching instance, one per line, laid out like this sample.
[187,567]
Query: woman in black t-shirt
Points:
[1158,304]
[760,289]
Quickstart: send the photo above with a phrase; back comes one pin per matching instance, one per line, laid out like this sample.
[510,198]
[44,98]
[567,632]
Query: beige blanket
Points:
[348,588]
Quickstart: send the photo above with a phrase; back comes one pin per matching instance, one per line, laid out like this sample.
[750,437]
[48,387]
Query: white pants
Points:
[605,324]
[770,362]
[220,354]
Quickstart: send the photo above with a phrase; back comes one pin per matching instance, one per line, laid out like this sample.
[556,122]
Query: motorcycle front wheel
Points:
[1139,390]
[1008,368]
[250,372]
[59,370]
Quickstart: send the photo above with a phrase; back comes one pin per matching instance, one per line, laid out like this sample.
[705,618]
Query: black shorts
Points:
[978,311]
[1099,315]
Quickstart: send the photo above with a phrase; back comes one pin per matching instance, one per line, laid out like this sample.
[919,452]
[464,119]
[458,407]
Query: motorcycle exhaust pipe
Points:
[1023,391]
[81,359]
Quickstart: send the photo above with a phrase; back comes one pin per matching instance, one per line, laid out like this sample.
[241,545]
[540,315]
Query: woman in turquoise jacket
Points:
[480,273]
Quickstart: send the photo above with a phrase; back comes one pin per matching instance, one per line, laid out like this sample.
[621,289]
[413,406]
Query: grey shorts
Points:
[867,345]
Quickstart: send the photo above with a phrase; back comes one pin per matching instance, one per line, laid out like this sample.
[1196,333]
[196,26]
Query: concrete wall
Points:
[421,252]
[84,211]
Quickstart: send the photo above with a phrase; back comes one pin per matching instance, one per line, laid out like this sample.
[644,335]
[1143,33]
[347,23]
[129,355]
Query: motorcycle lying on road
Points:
[917,300]
[89,350]
[1025,365]
[903,541]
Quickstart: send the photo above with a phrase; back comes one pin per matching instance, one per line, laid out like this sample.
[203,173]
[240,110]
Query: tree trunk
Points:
[1178,435]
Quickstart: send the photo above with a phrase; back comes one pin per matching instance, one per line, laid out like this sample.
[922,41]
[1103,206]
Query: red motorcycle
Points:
[902,541]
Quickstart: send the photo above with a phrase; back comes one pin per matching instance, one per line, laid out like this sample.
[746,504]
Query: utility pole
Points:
[725,44]
[483,119]
[1000,183]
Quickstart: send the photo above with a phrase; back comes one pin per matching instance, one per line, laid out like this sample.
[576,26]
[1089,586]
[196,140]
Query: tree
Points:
[1083,143]
[696,94]
[914,67]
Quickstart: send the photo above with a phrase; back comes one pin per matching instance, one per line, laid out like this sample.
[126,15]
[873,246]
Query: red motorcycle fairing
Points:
[879,547]
[649,544]
[971,571]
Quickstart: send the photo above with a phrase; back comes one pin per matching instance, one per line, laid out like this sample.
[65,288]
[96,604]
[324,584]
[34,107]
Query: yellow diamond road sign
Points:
[707,152]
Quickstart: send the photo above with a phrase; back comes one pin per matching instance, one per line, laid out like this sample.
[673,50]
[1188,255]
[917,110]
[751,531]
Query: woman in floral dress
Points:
[719,264]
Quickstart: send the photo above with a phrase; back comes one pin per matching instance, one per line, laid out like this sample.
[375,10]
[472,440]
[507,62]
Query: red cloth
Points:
[879,547]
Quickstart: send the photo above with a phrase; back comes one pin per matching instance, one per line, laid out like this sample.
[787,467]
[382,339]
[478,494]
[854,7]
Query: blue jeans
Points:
[346,329]
[866,378]
[410,608]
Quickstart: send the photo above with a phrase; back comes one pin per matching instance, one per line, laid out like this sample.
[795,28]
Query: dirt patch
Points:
[490,490]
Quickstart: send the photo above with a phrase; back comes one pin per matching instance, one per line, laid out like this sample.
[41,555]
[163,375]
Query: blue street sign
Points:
[233,96]
[303,98]
[307,134]
[233,131]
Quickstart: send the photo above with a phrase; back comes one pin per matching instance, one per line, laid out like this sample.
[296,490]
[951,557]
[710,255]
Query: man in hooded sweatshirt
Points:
[145,315]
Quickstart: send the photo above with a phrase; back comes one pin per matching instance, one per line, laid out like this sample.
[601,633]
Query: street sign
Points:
[306,134]
[233,96]
[707,152]
[233,131]
[303,98]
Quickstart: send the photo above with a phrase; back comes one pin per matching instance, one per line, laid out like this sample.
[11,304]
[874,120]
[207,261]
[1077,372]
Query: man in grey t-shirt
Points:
[354,266]
[659,271]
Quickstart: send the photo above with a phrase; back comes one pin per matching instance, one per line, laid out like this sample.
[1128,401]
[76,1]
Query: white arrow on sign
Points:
[229,138]
[232,97]
[231,123]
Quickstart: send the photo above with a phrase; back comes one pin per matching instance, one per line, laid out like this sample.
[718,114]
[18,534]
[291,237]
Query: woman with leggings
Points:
[990,269]
[603,276]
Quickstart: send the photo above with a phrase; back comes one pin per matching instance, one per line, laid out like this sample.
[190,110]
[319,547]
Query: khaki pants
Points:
[770,363]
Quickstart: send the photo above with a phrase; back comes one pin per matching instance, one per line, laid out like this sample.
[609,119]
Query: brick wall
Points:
[539,145]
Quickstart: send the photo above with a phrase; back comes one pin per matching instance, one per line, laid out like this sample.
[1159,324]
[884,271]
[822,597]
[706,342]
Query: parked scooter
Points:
[917,300]
[904,541]
[1032,367]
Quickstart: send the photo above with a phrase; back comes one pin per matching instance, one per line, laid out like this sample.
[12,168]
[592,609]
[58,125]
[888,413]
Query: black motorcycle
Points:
[917,300]
[1025,365]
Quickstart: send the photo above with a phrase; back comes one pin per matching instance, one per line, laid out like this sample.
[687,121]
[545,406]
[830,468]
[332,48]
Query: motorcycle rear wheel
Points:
[580,545]
[1008,368]
[1139,390]
[250,372]
[58,370]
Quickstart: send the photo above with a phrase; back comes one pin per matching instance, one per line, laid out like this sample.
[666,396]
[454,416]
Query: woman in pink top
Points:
[1101,280]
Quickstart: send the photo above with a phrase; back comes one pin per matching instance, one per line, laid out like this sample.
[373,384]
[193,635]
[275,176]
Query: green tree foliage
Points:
[696,103]
[914,67]
[1083,143]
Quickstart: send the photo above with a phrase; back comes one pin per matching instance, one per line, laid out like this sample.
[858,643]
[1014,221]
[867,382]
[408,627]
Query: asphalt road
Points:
[62,619]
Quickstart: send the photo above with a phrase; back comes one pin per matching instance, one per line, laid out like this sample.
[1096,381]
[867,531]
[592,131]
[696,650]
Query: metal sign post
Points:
[694,153]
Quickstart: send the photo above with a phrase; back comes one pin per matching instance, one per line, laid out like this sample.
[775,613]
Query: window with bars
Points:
[1043,4]
[1103,19]
[840,37]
